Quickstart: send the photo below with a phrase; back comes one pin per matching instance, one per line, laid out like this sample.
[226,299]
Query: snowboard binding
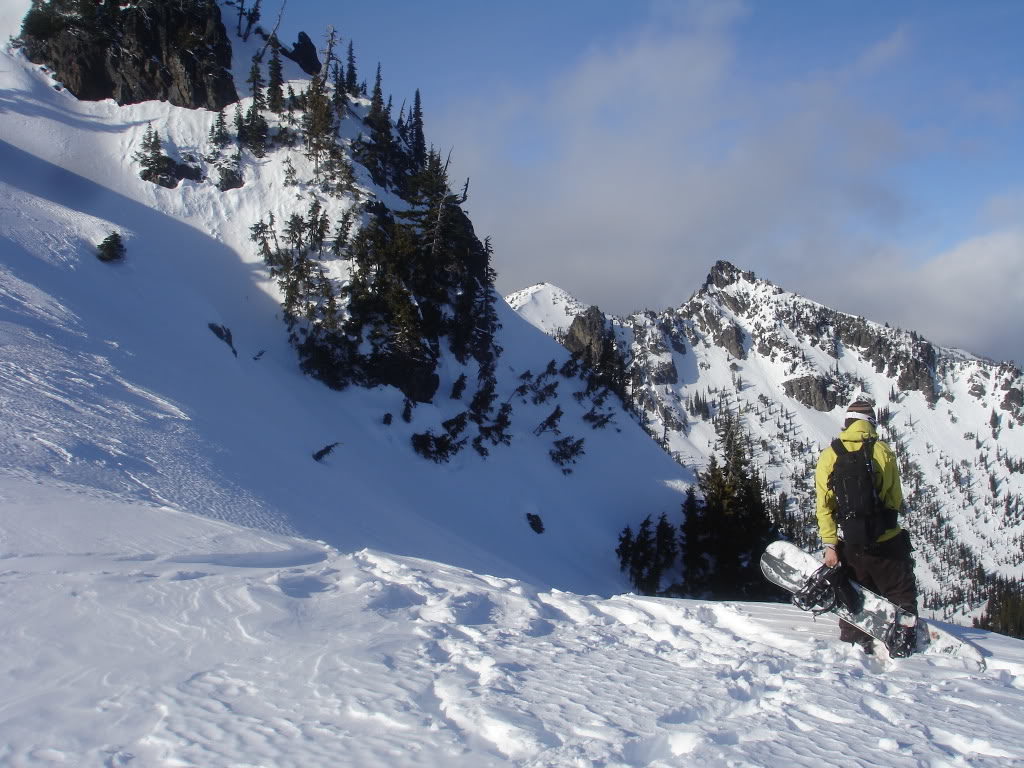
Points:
[901,637]
[827,588]
[817,594]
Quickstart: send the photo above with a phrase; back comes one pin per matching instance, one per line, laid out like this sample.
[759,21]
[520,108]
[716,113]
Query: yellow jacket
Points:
[887,479]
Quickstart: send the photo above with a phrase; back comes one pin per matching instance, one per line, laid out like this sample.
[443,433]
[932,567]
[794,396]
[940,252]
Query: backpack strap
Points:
[868,447]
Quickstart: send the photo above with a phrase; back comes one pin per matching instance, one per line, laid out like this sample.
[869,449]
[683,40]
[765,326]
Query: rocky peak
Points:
[723,274]
[303,53]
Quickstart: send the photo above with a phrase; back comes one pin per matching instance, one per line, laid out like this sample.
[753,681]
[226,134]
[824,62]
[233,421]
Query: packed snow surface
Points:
[137,635]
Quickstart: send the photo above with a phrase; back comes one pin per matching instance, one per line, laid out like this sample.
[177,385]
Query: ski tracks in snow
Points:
[294,655]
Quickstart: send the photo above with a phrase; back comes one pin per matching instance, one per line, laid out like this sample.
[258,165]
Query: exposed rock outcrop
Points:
[303,53]
[723,274]
[168,50]
[811,391]
[587,334]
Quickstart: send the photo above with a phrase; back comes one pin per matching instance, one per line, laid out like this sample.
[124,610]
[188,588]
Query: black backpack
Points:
[859,511]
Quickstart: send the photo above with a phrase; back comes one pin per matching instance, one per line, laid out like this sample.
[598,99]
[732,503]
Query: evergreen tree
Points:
[239,122]
[256,131]
[566,451]
[219,135]
[339,99]
[342,232]
[691,544]
[112,248]
[550,424]
[257,84]
[157,167]
[378,153]
[150,156]
[459,387]
[317,226]
[625,548]
[290,176]
[419,142]
[401,127]
[724,536]
[230,172]
[351,78]
[318,124]
[665,551]
[641,557]
[1004,612]
[275,82]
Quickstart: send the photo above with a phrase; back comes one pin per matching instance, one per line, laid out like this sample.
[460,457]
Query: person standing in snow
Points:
[858,501]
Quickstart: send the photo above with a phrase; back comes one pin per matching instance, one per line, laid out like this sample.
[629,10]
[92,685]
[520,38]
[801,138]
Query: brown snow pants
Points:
[888,570]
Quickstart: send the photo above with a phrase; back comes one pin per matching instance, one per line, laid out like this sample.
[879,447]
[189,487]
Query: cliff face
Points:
[174,50]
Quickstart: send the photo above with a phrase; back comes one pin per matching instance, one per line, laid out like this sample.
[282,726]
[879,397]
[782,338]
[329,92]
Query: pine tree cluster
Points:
[721,537]
[1004,612]
[159,168]
[418,278]
[46,19]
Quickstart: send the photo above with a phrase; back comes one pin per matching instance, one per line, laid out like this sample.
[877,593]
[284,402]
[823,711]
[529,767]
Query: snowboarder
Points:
[859,496]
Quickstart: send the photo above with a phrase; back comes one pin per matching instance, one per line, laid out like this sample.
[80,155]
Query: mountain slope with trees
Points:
[783,368]
[313,229]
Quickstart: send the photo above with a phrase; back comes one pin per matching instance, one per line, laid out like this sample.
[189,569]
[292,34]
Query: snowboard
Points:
[792,568]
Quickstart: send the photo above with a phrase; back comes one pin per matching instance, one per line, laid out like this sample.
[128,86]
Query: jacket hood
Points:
[858,432]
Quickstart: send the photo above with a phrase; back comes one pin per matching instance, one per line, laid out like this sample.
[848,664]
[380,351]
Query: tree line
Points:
[715,551]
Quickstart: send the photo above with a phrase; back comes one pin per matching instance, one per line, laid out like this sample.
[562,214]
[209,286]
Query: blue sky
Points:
[869,155]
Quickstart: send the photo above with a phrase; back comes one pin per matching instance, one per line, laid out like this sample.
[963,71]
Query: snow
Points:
[182,585]
[546,307]
[138,635]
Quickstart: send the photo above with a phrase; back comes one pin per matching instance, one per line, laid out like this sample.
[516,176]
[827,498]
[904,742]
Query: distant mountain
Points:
[787,367]
[546,307]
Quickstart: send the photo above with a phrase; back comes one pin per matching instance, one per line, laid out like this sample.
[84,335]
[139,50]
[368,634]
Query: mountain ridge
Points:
[787,366]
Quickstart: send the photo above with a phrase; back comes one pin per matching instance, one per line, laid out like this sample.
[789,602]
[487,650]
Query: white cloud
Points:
[885,52]
[973,295]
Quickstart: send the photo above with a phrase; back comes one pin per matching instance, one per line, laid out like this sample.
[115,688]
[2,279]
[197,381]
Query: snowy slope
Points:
[140,636]
[113,380]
